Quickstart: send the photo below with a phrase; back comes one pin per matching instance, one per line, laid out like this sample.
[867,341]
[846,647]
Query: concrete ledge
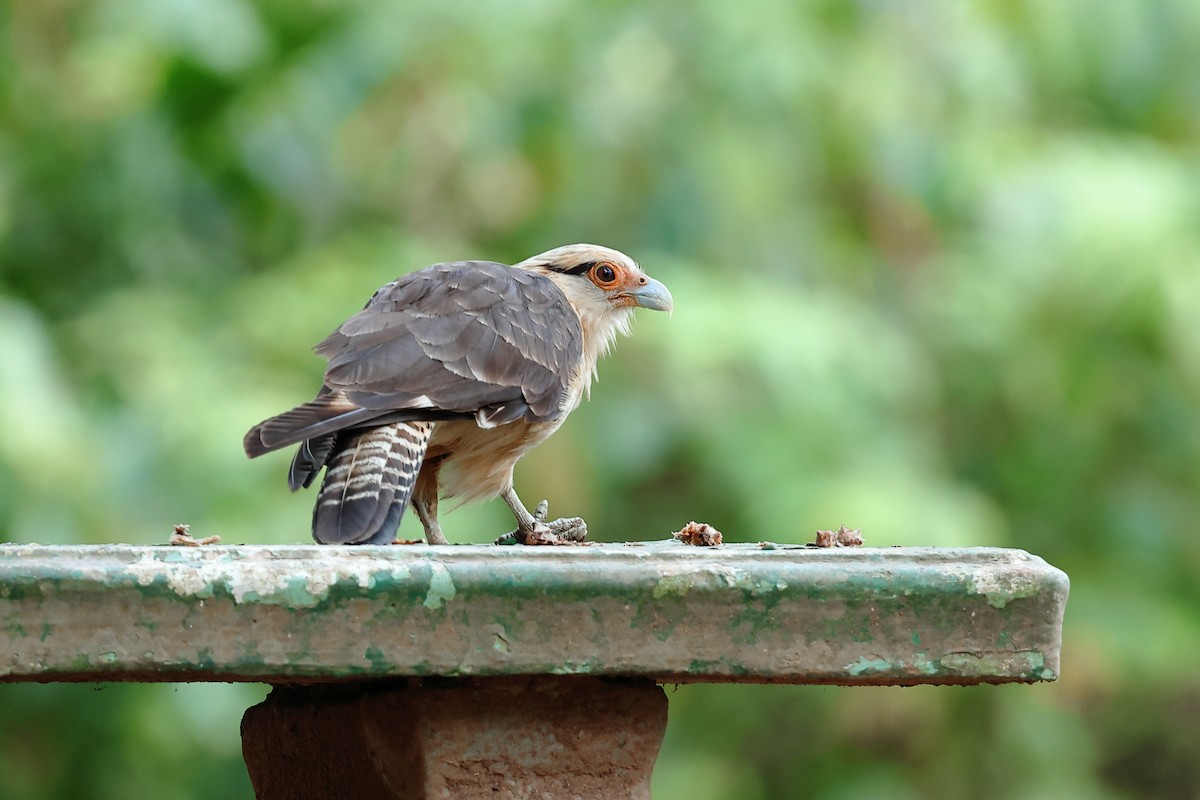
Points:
[663,611]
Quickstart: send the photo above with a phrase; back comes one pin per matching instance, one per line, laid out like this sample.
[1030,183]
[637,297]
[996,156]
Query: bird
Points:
[445,379]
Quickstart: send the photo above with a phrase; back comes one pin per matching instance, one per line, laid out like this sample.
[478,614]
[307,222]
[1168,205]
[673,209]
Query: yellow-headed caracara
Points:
[445,379]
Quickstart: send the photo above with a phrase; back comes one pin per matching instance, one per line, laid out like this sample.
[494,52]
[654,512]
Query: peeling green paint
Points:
[923,664]
[1025,663]
[752,622]
[869,666]
[1000,590]
[672,585]
[570,668]
[1045,674]
[441,588]
[756,586]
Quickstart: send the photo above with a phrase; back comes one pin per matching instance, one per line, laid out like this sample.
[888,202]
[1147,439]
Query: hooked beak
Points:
[653,295]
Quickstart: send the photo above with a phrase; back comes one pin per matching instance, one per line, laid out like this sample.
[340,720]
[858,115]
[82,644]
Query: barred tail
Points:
[368,483]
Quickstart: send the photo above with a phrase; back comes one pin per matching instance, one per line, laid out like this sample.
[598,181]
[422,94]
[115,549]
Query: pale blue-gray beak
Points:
[654,295]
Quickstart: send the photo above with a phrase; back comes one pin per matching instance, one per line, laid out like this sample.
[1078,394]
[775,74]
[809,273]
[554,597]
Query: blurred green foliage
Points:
[937,271]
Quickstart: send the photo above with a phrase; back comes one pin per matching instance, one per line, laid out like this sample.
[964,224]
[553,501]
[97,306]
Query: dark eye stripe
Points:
[579,269]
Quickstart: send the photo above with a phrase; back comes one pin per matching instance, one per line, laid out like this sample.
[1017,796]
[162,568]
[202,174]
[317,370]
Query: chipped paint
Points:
[441,587]
[248,580]
[1029,662]
[1001,588]
[865,665]
[678,584]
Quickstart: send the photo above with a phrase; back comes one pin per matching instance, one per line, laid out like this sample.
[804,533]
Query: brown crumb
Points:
[181,537]
[700,534]
[842,537]
[409,541]
[849,538]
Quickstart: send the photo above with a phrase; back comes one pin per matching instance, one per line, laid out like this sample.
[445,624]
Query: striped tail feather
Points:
[368,483]
[311,456]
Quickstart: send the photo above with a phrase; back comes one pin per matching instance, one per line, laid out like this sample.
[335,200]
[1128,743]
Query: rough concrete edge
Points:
[198,676]
[1046,579]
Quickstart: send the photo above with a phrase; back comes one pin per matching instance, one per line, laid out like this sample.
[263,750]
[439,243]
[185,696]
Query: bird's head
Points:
[603,286]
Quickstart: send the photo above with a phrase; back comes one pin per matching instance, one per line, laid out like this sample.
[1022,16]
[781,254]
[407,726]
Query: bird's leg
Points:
[533,528]
[425,500]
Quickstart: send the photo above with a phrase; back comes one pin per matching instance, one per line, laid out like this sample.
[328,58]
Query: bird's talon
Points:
[571,530]
[543,508]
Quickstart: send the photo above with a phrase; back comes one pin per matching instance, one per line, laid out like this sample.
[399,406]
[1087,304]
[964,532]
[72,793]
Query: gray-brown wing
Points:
[472,336]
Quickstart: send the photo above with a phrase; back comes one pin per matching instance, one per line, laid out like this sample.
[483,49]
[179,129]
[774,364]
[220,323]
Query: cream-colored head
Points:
[603,286]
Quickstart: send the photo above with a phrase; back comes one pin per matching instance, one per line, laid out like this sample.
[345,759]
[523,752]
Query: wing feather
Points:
[462,339]
[464,335]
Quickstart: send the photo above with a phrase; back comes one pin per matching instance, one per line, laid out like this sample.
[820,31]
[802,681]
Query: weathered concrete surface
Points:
[663,611]
[467,739]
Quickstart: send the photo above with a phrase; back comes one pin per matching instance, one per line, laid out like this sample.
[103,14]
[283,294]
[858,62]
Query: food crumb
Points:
[181,536]
[699,534]
[842,537]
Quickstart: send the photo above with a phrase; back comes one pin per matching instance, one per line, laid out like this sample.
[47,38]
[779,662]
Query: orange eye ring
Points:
[605,275]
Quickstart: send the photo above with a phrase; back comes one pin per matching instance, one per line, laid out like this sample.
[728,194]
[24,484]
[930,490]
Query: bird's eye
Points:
[603,275]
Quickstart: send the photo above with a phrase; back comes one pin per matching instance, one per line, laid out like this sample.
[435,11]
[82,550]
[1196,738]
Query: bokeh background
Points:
[937,276]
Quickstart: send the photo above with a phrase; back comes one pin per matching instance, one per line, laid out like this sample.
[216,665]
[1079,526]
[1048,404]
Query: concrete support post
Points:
[544,737]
